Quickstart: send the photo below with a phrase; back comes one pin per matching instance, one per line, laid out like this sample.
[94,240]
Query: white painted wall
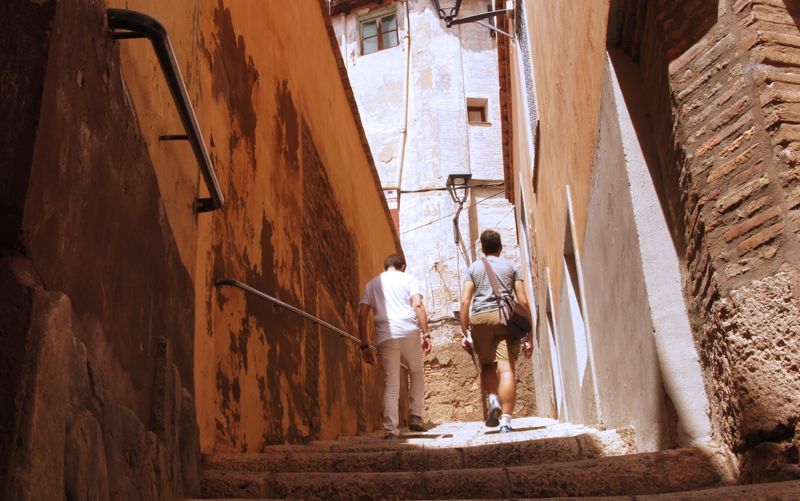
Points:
[446,67]
[677,355]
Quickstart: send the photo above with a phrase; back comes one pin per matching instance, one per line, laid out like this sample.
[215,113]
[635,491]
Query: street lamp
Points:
[450,10]
[447,10]
[456,182]
[458,186]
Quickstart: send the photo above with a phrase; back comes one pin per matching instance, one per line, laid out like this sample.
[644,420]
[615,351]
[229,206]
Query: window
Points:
[379,33]
[476,114]
[476,110]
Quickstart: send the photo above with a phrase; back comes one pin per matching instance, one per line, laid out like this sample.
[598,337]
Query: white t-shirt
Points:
[389,294]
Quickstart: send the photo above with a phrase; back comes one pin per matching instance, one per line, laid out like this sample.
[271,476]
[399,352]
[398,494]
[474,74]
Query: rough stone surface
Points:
[722,114]
[94,223]
[38,458]
[547,459]
[165,418]
[761,353]
[189,445]
[783,491]
[637,474]
[105,213]
[452,388]
[86,472]
[451,459]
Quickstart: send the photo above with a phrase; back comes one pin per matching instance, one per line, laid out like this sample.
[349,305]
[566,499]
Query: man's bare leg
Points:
[489,378]
[507,388]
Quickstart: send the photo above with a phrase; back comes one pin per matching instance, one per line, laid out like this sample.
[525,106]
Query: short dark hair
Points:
[396,261]
[490,242]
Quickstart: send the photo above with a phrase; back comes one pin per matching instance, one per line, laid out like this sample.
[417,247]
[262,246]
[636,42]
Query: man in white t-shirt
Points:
[400,316]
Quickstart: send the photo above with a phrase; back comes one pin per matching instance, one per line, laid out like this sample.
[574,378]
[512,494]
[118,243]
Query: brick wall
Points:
[725,83]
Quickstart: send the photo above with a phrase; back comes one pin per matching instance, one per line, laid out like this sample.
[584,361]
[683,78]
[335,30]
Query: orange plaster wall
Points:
[568,82]
[304,219]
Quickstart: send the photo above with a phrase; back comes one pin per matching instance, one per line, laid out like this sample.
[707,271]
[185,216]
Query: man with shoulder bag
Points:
[496,326]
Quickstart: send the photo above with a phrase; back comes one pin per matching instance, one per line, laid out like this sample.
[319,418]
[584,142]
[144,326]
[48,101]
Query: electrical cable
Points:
[501,219]
[425,190]
[450,215]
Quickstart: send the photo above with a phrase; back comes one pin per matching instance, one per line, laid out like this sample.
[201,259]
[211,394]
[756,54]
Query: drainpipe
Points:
[343,17]
[406,91]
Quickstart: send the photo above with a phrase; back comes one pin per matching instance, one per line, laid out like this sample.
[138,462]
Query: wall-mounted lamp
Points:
[448,12]
[458,186]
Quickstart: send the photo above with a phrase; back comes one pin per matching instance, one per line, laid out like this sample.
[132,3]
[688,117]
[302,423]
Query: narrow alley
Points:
[400,249]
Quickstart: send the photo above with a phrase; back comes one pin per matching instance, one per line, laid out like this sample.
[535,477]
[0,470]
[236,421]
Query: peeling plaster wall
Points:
[108,216]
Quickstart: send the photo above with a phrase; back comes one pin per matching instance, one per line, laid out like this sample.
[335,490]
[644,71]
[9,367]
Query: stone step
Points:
[634,474]
[777,491]
[529,452]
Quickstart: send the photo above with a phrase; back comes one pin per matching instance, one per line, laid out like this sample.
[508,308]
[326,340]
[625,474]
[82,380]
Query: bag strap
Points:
[492,279]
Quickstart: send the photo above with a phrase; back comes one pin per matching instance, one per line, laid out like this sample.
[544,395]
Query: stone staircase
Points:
[542,458]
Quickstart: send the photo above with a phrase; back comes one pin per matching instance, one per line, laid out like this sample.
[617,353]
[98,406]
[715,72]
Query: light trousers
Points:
[393,352]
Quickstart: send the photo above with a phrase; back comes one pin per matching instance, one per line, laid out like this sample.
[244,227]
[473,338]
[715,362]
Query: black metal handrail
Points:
[293,309]
[138,25]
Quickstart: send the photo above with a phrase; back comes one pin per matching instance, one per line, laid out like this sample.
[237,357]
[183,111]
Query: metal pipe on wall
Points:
[406,91]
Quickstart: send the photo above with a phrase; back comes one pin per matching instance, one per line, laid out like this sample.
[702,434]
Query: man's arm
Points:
[422,313]
[466,301]
[422,316]
[363,317]
[521,294]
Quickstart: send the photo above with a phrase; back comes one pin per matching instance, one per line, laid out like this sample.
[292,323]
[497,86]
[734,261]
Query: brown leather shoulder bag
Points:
[513,315]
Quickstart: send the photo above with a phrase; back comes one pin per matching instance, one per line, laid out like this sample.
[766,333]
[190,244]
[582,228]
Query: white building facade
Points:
[429,102]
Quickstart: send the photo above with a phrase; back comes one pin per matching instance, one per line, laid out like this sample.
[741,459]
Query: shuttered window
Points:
[379,33]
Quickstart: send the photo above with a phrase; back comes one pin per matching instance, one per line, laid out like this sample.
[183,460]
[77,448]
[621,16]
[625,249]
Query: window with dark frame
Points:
[379,33]
[476,110]
[476,114]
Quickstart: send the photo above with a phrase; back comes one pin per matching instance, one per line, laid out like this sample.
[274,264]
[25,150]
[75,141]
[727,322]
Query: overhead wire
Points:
[505,216]
[451,214]
[425,190]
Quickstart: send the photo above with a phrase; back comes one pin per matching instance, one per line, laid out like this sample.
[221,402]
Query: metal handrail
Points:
[138,25]
[278,302]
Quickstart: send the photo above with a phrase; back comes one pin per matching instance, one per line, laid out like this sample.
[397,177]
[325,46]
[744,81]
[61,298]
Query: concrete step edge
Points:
[540,451]
[636,474]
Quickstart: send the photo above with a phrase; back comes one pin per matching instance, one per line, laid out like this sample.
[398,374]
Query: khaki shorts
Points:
[490,338]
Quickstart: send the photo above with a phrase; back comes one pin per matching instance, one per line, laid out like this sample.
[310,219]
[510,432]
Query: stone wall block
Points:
[745,227]
[766,355]
[86,472]
[760,238]
[39,449]
[731,165]
[165,417]
[741,193]
[123,436]
[452,388]
[83,391]
[154,472]
[189,446]
[771,462]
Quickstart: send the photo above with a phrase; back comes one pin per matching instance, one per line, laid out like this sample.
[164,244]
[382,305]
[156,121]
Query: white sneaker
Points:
[493,411]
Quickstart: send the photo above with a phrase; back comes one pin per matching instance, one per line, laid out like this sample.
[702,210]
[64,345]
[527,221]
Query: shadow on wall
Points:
[793,7]
[631,28]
